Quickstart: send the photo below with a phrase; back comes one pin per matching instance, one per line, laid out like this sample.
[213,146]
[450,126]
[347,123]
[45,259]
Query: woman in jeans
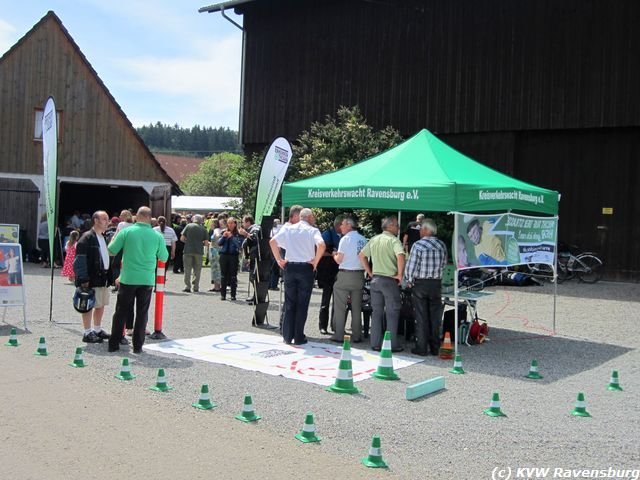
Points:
[230,244]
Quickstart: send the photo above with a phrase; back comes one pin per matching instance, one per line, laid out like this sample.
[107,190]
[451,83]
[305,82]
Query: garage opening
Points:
[87,198]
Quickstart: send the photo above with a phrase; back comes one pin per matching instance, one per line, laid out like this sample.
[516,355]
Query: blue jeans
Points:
[298,284]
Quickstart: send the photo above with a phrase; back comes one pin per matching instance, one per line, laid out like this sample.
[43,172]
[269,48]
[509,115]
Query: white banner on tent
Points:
[274,168]
[313,362]
[504,239]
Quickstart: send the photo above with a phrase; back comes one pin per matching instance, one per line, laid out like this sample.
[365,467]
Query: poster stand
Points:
[538,239]
[12,280]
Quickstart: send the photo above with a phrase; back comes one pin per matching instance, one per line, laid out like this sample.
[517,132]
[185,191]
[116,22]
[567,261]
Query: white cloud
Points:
[7,36]
[206,84]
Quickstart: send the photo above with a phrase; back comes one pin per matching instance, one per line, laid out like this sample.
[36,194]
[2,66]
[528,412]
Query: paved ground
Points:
[60,422]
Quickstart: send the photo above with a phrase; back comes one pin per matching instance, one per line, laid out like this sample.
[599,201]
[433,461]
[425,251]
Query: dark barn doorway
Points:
[87,198]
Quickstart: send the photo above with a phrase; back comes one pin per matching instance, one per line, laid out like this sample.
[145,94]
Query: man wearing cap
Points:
[304,248]
[91,268]
[141,247]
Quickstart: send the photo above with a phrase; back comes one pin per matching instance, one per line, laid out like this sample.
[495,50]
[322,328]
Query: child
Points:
[67,269]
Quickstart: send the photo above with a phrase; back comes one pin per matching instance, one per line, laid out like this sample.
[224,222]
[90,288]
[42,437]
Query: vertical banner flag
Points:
[504,239]
[274,168]
[50,164]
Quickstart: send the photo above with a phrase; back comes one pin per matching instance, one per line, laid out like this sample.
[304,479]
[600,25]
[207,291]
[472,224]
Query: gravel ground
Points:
[60,422]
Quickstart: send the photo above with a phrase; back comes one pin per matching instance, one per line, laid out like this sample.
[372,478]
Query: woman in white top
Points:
[170,239]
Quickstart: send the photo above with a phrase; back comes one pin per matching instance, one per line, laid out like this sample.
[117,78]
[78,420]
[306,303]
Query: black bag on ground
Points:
[449,320]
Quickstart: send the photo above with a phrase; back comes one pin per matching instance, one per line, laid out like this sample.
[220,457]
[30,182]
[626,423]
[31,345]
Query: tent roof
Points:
[422,173]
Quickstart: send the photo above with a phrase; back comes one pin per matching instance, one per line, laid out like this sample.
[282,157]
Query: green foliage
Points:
[197,141]
[336,143]
[225,175]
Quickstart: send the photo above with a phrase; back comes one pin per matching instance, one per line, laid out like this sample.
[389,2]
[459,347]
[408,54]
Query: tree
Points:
[225,175]
[337,143]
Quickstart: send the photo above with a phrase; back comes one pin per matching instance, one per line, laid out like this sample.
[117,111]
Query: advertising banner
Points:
[9,233]
[504,239]
[50,166]
[11,275]
[274,168]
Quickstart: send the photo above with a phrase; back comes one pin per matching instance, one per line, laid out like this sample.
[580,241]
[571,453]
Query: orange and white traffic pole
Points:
[157,320]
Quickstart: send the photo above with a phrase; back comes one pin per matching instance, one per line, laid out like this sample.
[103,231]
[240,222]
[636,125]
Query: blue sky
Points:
[160,59]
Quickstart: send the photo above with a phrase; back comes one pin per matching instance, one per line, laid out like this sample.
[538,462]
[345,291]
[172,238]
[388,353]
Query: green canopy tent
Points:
[422,173]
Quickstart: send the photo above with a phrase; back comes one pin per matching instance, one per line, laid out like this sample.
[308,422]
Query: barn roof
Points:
[51,16]
[179,167]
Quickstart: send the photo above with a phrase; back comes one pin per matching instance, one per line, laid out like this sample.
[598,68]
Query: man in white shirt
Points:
[349,282]
[304,248]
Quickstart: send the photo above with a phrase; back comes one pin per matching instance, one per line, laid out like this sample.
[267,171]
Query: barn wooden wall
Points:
[96,140]
[545,90]
[448,65]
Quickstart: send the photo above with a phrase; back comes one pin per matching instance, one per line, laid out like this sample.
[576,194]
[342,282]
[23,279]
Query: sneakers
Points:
[187,290]
[103,335]
[124,341]
[91,337]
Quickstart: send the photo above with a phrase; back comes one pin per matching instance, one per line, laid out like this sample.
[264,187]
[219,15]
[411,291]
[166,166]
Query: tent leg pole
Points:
[455,287]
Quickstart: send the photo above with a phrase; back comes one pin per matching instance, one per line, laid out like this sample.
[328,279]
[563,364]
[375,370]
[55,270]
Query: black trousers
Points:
[427,301]
[298,284]
[178,266]
[229,273]
[128,295]
[325,303]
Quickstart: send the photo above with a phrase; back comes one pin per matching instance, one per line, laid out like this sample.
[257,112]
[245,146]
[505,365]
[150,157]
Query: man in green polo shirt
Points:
[387,255]
[142,247]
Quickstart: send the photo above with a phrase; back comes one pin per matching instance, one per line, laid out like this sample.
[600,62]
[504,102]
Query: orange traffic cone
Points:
[446,349]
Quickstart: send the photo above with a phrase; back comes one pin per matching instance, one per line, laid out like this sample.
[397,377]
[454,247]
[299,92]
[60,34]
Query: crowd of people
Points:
[341,260]
[121,252]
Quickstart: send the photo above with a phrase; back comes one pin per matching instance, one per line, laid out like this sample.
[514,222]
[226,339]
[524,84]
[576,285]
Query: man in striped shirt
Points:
[423,274]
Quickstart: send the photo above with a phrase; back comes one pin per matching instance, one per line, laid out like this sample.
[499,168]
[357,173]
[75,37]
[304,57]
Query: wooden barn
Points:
[102,162]
[544,90]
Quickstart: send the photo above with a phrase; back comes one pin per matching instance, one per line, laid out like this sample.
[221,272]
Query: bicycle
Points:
[586,266]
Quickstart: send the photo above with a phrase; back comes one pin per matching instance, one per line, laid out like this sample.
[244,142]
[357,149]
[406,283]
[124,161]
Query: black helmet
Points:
[84,299]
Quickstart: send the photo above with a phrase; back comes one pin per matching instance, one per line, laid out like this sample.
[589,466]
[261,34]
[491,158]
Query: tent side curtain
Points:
[422,173]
